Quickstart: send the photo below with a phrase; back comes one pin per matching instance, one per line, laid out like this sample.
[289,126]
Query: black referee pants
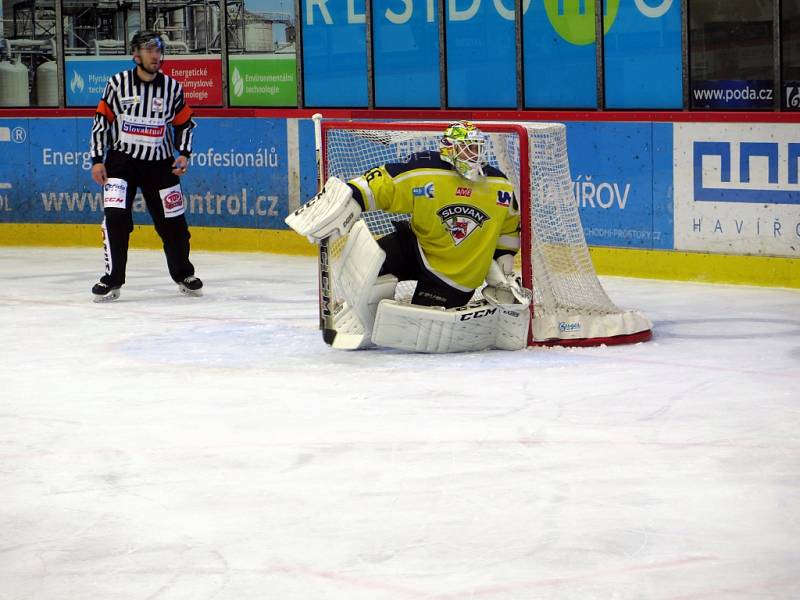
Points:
[150,176]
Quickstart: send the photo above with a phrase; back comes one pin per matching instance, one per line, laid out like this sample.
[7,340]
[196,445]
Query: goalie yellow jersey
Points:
[459,223]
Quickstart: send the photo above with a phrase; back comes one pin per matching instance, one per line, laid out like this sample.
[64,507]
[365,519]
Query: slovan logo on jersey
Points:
[461,220]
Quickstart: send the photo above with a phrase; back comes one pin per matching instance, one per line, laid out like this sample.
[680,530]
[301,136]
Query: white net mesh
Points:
[569,301]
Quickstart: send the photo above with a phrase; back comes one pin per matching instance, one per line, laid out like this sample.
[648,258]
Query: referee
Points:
[131,122]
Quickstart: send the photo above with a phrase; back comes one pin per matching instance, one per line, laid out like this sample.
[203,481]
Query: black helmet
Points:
[146,39]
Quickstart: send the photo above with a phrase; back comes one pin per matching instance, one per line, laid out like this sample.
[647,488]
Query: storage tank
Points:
[14,85]
[258,35]
[47,84]
[206,27]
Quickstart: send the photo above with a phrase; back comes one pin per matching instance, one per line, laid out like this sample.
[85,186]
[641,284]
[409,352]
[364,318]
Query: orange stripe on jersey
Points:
[183,115]
[104,109]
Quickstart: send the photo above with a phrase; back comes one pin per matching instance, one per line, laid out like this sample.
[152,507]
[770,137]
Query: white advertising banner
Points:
[736,188]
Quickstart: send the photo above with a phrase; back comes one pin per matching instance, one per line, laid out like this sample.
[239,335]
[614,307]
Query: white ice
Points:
[164,448]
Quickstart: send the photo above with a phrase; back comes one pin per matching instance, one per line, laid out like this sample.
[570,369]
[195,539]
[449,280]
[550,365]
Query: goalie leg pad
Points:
[417,328]
[514,315]
[357,275]
[513,323]
[351,333]
[332,212]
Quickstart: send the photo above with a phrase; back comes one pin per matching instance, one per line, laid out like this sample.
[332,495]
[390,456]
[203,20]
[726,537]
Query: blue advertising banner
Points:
[239,175]
[732,94]
[15,166]
[86,77]
[306,156]
[642,55]
[249,173]
[663,186]
[480,40]
[559,54]
[334,53]
[613,173]
[406,55]
[55,175]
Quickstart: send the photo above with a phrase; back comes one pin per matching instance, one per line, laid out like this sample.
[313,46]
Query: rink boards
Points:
[657,199]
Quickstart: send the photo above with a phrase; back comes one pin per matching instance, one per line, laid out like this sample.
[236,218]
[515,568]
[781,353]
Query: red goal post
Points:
[570,306]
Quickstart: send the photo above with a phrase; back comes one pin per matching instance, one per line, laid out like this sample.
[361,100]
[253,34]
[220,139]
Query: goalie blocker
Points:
[331,213]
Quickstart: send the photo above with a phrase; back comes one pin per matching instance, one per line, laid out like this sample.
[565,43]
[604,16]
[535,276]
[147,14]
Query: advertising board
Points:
[239,174]
[737,189]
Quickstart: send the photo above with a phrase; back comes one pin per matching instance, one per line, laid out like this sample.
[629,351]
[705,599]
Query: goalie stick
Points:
[325,290]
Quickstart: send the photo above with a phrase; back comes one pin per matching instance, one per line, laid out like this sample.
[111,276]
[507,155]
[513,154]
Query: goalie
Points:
[463,230]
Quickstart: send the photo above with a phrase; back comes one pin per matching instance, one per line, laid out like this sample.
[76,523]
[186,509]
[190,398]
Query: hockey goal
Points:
[570,306]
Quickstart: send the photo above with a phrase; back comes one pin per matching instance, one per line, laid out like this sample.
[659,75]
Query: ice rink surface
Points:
[164,448]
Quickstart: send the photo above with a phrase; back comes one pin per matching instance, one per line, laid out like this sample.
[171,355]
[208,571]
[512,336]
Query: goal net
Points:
[570,306]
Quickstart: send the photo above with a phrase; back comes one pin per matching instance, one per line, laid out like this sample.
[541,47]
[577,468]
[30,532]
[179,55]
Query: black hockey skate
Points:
[191,286]
[103,292]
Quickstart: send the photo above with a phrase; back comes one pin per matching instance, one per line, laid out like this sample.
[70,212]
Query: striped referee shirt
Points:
[133,117]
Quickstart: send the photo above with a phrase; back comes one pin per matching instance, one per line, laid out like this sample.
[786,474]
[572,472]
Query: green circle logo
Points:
[573,20]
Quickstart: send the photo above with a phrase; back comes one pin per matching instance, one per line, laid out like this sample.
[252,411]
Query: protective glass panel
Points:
[28,54]
[335,54]
[731,54]
[406,56]
[790,34]
[559,54]
[191,34]
[96,44]
[262,53]
[642,54]
[481,70]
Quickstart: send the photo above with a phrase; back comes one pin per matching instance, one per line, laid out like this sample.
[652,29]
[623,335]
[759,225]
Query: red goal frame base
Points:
[616,340]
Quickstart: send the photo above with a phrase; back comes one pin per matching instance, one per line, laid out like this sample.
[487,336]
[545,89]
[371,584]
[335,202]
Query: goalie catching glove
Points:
[503,287]
[331,213]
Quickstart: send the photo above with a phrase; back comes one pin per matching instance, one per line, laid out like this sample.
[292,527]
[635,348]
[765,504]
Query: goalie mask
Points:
[464,146]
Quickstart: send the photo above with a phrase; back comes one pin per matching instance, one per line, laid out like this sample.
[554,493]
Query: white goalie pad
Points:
[513,323]
[477,326]
[357,275]
[504,291]
[332,212]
